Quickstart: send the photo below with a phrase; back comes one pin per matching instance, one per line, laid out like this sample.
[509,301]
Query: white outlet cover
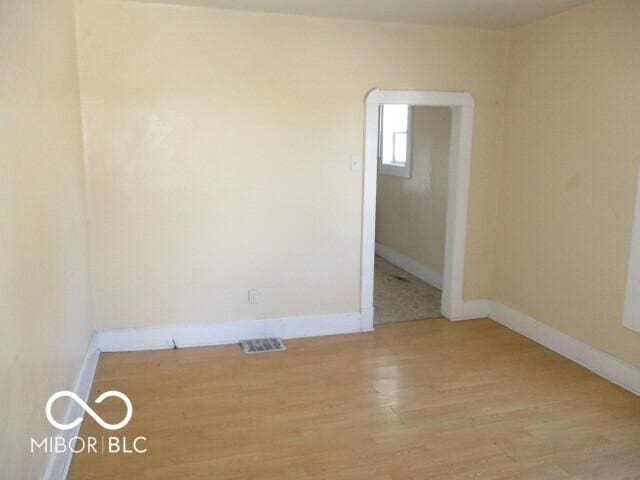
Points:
[356,162]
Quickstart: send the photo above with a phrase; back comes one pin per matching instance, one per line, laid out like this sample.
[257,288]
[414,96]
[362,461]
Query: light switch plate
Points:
[254,296]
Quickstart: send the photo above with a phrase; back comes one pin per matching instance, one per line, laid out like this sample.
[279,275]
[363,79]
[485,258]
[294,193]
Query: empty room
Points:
[320,239]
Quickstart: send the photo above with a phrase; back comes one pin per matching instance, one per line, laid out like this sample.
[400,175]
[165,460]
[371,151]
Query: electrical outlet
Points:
[356,163]
[254,296]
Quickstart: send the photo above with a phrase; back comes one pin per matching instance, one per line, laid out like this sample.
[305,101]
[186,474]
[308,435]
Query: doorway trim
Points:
[462,106]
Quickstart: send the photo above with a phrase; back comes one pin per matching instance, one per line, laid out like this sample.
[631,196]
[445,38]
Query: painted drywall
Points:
[218,149]
[411,213]
[568,179]
[44,292]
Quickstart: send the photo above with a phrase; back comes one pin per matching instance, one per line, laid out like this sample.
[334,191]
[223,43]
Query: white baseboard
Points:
[473,309]
[366,319]
[58,463]
[156,338]
[424,273]
[613,369]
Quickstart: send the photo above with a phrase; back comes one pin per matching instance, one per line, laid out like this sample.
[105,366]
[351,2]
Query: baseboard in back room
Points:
[415,268]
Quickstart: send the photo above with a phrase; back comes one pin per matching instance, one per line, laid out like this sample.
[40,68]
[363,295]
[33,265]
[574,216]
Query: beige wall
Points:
[44,293]
[569,172]
[218,148]
[218,151]
[411,213]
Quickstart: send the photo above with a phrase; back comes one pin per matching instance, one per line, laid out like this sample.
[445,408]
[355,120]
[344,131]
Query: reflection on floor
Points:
[399,296]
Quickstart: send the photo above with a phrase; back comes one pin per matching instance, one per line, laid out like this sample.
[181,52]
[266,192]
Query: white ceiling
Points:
[476,13]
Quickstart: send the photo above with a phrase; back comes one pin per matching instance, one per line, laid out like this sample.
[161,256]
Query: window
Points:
[394,137]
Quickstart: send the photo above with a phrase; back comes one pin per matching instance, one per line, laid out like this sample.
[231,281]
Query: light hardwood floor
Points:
[420,400]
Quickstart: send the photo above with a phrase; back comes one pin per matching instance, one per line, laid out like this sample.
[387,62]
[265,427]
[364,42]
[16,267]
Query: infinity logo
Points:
[89,410]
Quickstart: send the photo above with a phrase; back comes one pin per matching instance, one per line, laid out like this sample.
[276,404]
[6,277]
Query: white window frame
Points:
[631,317]
[392,169]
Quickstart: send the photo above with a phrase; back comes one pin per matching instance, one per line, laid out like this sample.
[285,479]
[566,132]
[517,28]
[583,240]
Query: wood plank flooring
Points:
[420,400]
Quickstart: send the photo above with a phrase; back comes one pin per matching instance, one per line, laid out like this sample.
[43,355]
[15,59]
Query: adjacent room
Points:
[308,239]
[411,211]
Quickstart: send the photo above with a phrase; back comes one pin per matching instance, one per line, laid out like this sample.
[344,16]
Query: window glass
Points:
[394,135]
